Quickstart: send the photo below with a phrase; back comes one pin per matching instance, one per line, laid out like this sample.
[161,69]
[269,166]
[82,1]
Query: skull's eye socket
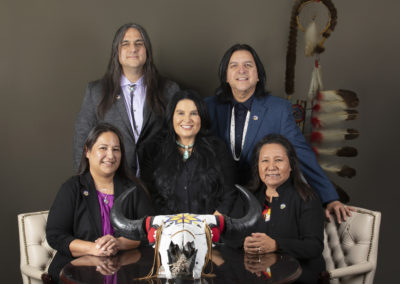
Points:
[174,249]
[189,249]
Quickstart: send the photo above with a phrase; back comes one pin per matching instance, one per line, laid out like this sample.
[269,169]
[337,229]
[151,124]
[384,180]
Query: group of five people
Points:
[185,154]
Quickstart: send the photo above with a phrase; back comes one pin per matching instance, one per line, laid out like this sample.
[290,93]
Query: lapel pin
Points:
[255,117]
[283,206]
[85,193]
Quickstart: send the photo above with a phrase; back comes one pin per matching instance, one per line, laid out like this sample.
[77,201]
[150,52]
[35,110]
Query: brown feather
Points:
[328,119]
[352,114]
[349,97]
[343,196]
[347,152]
[346,171]
[342,171]
[319,49]
[353,134]
[333,135]
[329,106]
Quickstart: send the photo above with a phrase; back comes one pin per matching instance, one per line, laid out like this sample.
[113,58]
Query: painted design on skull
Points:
[183,218]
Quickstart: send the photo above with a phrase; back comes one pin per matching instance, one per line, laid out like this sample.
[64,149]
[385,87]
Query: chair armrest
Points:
[351,270]
[31,271]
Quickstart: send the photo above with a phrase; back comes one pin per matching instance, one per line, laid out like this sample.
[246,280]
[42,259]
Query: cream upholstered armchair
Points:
[36,254]
[351,248]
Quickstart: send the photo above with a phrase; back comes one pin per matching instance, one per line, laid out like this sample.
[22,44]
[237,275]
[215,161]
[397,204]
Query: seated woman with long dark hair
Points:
[186,169]
[79,219]
[292,219]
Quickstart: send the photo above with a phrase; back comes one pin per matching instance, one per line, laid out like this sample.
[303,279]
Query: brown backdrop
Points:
[50,49]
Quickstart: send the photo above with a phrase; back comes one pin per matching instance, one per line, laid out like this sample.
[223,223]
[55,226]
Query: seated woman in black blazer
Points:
[186,169]
[79,219]
[292,219]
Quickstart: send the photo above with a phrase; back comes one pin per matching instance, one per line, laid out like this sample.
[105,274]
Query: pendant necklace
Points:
[105,200]
[104,196]
[186,153]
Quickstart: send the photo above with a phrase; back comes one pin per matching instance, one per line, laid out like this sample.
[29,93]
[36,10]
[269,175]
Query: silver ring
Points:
[259,249]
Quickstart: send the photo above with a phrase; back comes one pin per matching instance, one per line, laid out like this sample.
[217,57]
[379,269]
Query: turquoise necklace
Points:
[186,153]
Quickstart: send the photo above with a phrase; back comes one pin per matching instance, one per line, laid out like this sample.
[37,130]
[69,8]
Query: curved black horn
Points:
[131,229]
[238,227]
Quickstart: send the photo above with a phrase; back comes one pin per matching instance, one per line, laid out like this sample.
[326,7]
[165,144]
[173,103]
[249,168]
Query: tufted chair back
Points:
[36,254]
[351,248]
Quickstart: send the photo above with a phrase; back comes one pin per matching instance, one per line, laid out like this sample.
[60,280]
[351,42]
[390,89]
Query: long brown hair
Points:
[111,79]
[94,134]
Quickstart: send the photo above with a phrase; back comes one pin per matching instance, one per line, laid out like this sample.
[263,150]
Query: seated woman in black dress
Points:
[186,170]
[79,219]
[292,220]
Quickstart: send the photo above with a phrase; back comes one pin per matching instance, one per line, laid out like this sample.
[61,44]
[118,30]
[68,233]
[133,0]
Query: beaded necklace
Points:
[186,147]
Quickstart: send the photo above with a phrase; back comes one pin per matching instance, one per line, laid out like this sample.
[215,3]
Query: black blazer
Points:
[75,214]
[298,228]
[117,116]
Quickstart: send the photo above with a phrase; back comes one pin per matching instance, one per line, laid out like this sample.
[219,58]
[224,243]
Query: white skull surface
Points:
[185,239]
[183,243]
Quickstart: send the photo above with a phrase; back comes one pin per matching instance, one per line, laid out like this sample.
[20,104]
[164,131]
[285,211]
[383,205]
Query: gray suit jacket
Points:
[117,116]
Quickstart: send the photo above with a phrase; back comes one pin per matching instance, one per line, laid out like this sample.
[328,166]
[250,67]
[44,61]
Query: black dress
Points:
[201,184]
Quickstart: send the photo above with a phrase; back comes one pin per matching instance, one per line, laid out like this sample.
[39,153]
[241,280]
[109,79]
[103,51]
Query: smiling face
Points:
[187,121]
[105,155]
[242,75]
[132,51]
[273,165]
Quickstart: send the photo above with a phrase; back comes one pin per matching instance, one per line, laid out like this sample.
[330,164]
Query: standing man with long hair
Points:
[243,112]
[132,95]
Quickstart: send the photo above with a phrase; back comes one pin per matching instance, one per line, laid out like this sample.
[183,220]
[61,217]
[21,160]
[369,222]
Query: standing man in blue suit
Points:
[242,113]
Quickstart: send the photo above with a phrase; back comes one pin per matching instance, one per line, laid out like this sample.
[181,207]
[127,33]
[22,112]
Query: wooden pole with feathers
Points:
[329,109]
[313,45]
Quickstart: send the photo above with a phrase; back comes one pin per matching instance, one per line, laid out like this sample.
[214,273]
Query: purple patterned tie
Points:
[132,88]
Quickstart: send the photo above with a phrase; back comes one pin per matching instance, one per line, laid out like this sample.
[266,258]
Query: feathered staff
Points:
[329,108]
[311,34]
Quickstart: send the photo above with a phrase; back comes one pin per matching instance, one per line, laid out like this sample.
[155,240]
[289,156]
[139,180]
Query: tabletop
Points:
[227,265]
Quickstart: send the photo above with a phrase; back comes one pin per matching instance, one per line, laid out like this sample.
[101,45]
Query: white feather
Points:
[343,170]
[336,151]
[328,119]
[316,82]
[310,39]
[331,106]
[334,135]
[326,151]
[330,168]
[330,95]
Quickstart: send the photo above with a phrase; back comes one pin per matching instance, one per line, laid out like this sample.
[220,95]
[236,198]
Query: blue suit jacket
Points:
[268,115]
